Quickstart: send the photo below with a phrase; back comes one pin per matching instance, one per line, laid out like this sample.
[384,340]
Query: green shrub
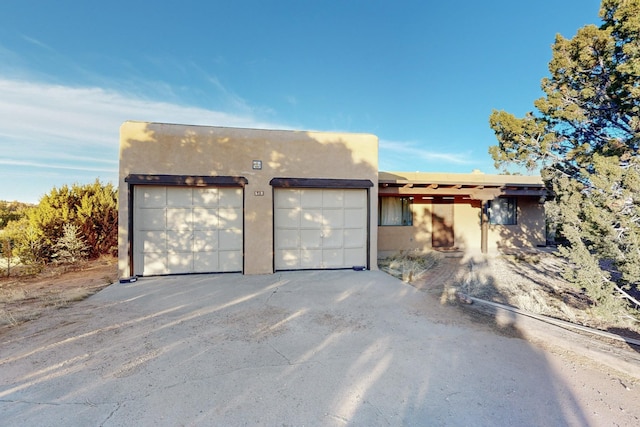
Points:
[92,209]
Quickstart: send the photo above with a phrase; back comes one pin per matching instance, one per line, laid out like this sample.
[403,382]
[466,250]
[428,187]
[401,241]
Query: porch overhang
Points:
[473,192]
[475,186]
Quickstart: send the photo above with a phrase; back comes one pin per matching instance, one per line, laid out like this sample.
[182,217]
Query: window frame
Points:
[510,217]
[406,211]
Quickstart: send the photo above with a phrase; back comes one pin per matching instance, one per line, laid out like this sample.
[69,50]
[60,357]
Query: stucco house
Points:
[465,212]
[204,199]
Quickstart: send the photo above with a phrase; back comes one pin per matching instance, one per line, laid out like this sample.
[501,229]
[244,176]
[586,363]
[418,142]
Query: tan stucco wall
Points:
[156,148]
[466,217]
[529,232]
[477,177]
[392,238]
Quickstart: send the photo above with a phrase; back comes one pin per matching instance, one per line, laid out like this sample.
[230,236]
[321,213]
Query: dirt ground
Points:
[530,282]
[24,298]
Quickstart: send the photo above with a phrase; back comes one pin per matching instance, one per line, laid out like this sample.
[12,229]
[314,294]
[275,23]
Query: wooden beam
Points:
[476,193]
[420,191]
[484,227]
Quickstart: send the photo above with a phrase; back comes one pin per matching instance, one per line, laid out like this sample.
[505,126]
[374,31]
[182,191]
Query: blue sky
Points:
[421,75]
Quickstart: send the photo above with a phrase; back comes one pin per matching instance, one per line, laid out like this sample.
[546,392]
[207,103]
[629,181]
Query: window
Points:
[395,211]
[503,211]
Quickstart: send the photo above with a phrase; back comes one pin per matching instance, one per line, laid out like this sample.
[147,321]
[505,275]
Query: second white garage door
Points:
[181,230]
[320,228]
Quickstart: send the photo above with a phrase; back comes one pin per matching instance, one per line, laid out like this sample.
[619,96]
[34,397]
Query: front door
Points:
[442,236]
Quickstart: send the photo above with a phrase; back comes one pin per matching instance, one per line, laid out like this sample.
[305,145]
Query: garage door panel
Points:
[333,199]
[332,228]
[154,219]
[287,200]
[292,215]
[230,239]
[355,256]
[204,262]
[180,262]
[355,199]
[289,239]
[229,218]
[311,218]
[288,258]
[149,197]
[333,258]
[230,261]
[179,219]
[205,218]
[310,258]
[206,197]
[333,218]
[185,230]
[205,241]
[178,196]
[153,241]
[332,238]
[230,198]
[155,263]
[310,238]
[354,217]
[179,241]
[310,199]
[354,238]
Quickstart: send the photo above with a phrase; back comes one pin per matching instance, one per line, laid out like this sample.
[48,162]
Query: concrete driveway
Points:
[301,348]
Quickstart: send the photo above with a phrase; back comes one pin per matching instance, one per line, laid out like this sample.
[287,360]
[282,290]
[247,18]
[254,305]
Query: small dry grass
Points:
[529,281]
[409,266]
[533,282]
[27,297]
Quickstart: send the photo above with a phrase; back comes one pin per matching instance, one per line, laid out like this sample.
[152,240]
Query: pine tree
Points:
[585,137]
[71,247]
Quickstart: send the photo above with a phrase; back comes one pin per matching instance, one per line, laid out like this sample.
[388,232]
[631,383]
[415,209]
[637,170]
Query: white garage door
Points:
[187,230]
[320,228]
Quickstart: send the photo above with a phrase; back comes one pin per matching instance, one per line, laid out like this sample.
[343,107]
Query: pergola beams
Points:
[474,192]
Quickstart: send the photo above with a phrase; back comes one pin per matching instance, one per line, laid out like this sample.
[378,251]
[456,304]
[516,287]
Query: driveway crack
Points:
[280,353]
[270,295]
[116,409]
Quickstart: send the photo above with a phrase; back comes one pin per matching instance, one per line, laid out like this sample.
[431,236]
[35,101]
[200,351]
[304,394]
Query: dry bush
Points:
[409,266]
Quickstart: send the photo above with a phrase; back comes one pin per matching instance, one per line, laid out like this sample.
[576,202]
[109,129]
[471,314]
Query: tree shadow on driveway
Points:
[312,348]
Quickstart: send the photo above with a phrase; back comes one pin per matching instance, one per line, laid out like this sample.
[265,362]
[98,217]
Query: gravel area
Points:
[529,281]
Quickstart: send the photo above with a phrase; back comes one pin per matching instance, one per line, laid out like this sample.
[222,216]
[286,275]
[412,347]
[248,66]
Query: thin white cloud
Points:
[46,127]
[12,162]
[36,42]
[291,100]
[91,115]
[396,155]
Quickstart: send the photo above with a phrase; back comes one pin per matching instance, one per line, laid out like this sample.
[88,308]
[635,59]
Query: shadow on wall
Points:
[442,236]
[288,153]
[529,233]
